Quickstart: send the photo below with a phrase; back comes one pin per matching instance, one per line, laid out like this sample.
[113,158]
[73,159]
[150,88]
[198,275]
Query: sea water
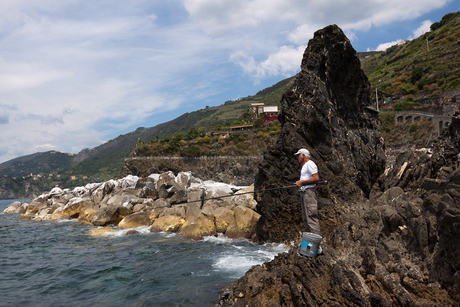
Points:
[50,263]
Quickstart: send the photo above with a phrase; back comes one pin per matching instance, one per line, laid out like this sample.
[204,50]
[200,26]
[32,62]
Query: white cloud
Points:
[385,46]
[424,27]
[285,62]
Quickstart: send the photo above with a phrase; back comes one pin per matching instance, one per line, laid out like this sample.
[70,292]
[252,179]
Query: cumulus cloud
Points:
[424,27]
[285,62]
[385,46]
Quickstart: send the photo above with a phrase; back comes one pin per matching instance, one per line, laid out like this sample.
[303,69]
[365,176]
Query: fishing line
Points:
[230,195]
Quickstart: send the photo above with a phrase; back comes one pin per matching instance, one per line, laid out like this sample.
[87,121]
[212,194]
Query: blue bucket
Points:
[310,244]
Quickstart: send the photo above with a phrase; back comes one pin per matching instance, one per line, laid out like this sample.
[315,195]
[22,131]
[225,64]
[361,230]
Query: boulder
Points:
[183,179]
[166,191]
[178,210]
[109,215]
[77,204]
[244,224]
[128,182]
[178,197]
[13,207]
[167,179]
[135,220]
[224,217]
[209,208]
[87,214]
[200,227]
[168,223]
[147,188]
[245,200]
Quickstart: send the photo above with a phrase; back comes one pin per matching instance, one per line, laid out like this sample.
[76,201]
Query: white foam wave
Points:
[220,239]
[239,259]
[122,232]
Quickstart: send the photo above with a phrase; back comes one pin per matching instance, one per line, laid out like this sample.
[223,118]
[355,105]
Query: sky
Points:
[76,73]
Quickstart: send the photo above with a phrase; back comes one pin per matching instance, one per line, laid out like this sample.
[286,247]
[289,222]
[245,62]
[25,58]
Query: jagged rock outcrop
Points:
[421,169]
[329,111]
[397,246]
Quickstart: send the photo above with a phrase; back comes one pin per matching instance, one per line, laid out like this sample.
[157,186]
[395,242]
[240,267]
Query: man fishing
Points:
[307,184]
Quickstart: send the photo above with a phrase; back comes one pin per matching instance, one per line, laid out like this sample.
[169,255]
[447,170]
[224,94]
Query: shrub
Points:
[404,105]
[451,85]
[416,74]
[410,97]
[433,87]
[422,83]
[413,128]
[396,84]
[450,38]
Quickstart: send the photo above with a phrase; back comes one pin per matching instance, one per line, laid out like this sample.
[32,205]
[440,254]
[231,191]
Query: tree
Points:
[416,74]
[258,122]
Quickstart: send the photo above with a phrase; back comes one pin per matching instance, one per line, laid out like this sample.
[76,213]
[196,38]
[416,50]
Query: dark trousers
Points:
[309,206]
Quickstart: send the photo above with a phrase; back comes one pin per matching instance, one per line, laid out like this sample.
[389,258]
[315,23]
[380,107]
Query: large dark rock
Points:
[330,112]
[395,244]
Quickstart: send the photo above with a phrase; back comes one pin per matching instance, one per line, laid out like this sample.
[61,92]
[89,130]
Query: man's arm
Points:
[314,179]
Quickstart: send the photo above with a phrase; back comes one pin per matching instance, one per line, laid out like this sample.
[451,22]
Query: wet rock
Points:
[109,215]
[168,223]
[97,232]
[135,220]
[244,224]
[224,217]
[200,227]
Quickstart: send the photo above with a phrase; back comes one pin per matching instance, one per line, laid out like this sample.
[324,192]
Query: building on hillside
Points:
[241,128]
[257,108]
[271,111]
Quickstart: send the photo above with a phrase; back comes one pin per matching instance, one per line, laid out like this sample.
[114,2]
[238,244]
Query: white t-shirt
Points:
[308,169]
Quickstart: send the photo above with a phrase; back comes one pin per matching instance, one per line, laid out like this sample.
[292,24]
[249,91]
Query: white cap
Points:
[303,151]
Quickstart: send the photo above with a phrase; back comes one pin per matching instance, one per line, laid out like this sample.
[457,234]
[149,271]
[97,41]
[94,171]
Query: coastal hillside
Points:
[422,70]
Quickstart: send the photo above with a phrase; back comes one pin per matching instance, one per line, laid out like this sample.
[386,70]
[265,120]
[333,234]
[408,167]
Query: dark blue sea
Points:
[49,263]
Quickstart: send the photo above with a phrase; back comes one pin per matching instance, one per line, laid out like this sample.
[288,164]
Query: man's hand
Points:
[314,179]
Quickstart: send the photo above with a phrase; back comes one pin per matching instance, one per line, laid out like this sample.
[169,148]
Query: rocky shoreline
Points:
[163,202]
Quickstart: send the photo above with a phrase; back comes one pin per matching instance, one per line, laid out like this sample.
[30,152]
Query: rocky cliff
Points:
[237,170]
[391,238]
[329,111]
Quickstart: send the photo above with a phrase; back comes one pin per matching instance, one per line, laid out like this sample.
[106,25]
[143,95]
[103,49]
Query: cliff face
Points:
[329,111]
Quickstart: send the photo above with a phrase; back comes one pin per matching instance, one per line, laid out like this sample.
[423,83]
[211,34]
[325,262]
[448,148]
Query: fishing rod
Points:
[230,195]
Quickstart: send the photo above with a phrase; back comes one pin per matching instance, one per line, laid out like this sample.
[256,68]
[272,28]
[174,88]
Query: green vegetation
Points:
[194,143]
[425,67]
